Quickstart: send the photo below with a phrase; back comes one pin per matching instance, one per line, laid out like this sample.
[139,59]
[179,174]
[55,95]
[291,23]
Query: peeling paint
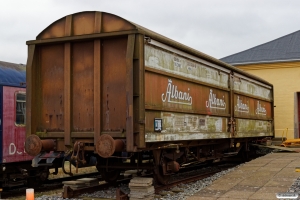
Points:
[246,128]
[248,87]
[169,62]
[178,126]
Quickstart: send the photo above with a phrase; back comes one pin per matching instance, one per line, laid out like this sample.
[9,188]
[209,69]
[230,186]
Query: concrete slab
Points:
[292,154]
[266,161]
[248,168]
[245,188]
[201,198]
[257,164]
[294,164]
[228,198]
[267,193]
[272,189]
[259,179]
[292,180]
[287,173]
[236,176]
[210,193]
[281,161]
[240,175]
[288,157]
[277,183]
[239,194]
[271,169]
[224,184]
[264,196]
[254,182]
[265,173]
[280,165]
[275,155]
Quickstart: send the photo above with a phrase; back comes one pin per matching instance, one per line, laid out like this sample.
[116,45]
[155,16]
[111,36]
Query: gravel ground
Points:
[295,188]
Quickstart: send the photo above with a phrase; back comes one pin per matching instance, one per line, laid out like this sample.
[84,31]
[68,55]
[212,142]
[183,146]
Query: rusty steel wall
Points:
[113,84]
[248,107]
[168,93]
[113,81]
[50,105]
[82,65]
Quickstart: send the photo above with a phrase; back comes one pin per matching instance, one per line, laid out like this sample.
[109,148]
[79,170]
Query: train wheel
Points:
[160,178]
[109,175]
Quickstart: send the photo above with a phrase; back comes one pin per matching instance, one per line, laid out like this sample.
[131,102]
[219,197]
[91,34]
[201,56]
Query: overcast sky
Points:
[216,27]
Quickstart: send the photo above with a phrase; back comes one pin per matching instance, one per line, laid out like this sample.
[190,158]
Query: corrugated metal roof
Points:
[12,74]
[283,49]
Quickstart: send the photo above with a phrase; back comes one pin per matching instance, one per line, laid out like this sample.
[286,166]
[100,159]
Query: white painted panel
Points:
[165,61]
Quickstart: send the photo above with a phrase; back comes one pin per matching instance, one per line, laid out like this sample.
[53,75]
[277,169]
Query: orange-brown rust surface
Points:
[84,23]
[250,107]
[83,86]
[33,145]
[167,93]
[113,95]
[52,88]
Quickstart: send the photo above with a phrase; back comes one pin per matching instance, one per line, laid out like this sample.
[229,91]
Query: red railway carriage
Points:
[16,169]
[15,162]
[99,85]
[12,115]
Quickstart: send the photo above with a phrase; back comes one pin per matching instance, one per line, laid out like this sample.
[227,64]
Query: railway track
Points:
[179,179]
[197,176]
[186,177]
[51,184]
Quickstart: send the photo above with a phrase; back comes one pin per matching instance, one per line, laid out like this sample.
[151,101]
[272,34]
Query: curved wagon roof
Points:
[93,24]
[12,74]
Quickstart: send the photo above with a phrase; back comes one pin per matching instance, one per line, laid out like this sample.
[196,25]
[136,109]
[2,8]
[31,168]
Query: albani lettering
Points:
[172,95]
[240,106]
[214,102]
[260,110]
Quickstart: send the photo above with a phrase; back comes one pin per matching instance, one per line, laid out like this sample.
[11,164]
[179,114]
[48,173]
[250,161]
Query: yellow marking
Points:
[291,142]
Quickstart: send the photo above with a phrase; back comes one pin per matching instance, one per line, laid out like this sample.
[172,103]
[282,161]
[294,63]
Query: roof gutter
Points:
[265,62]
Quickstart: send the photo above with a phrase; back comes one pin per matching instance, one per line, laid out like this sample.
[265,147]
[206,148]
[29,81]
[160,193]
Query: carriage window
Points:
[20,109]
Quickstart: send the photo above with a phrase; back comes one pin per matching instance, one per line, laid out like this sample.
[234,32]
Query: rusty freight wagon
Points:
[101,86]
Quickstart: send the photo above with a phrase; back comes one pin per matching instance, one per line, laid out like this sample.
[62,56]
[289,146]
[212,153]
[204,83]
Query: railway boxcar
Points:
[101,85]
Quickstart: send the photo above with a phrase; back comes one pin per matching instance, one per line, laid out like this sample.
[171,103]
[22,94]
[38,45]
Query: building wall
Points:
[285,78]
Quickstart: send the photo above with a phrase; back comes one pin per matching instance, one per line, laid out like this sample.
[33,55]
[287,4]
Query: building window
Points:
[20,109]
